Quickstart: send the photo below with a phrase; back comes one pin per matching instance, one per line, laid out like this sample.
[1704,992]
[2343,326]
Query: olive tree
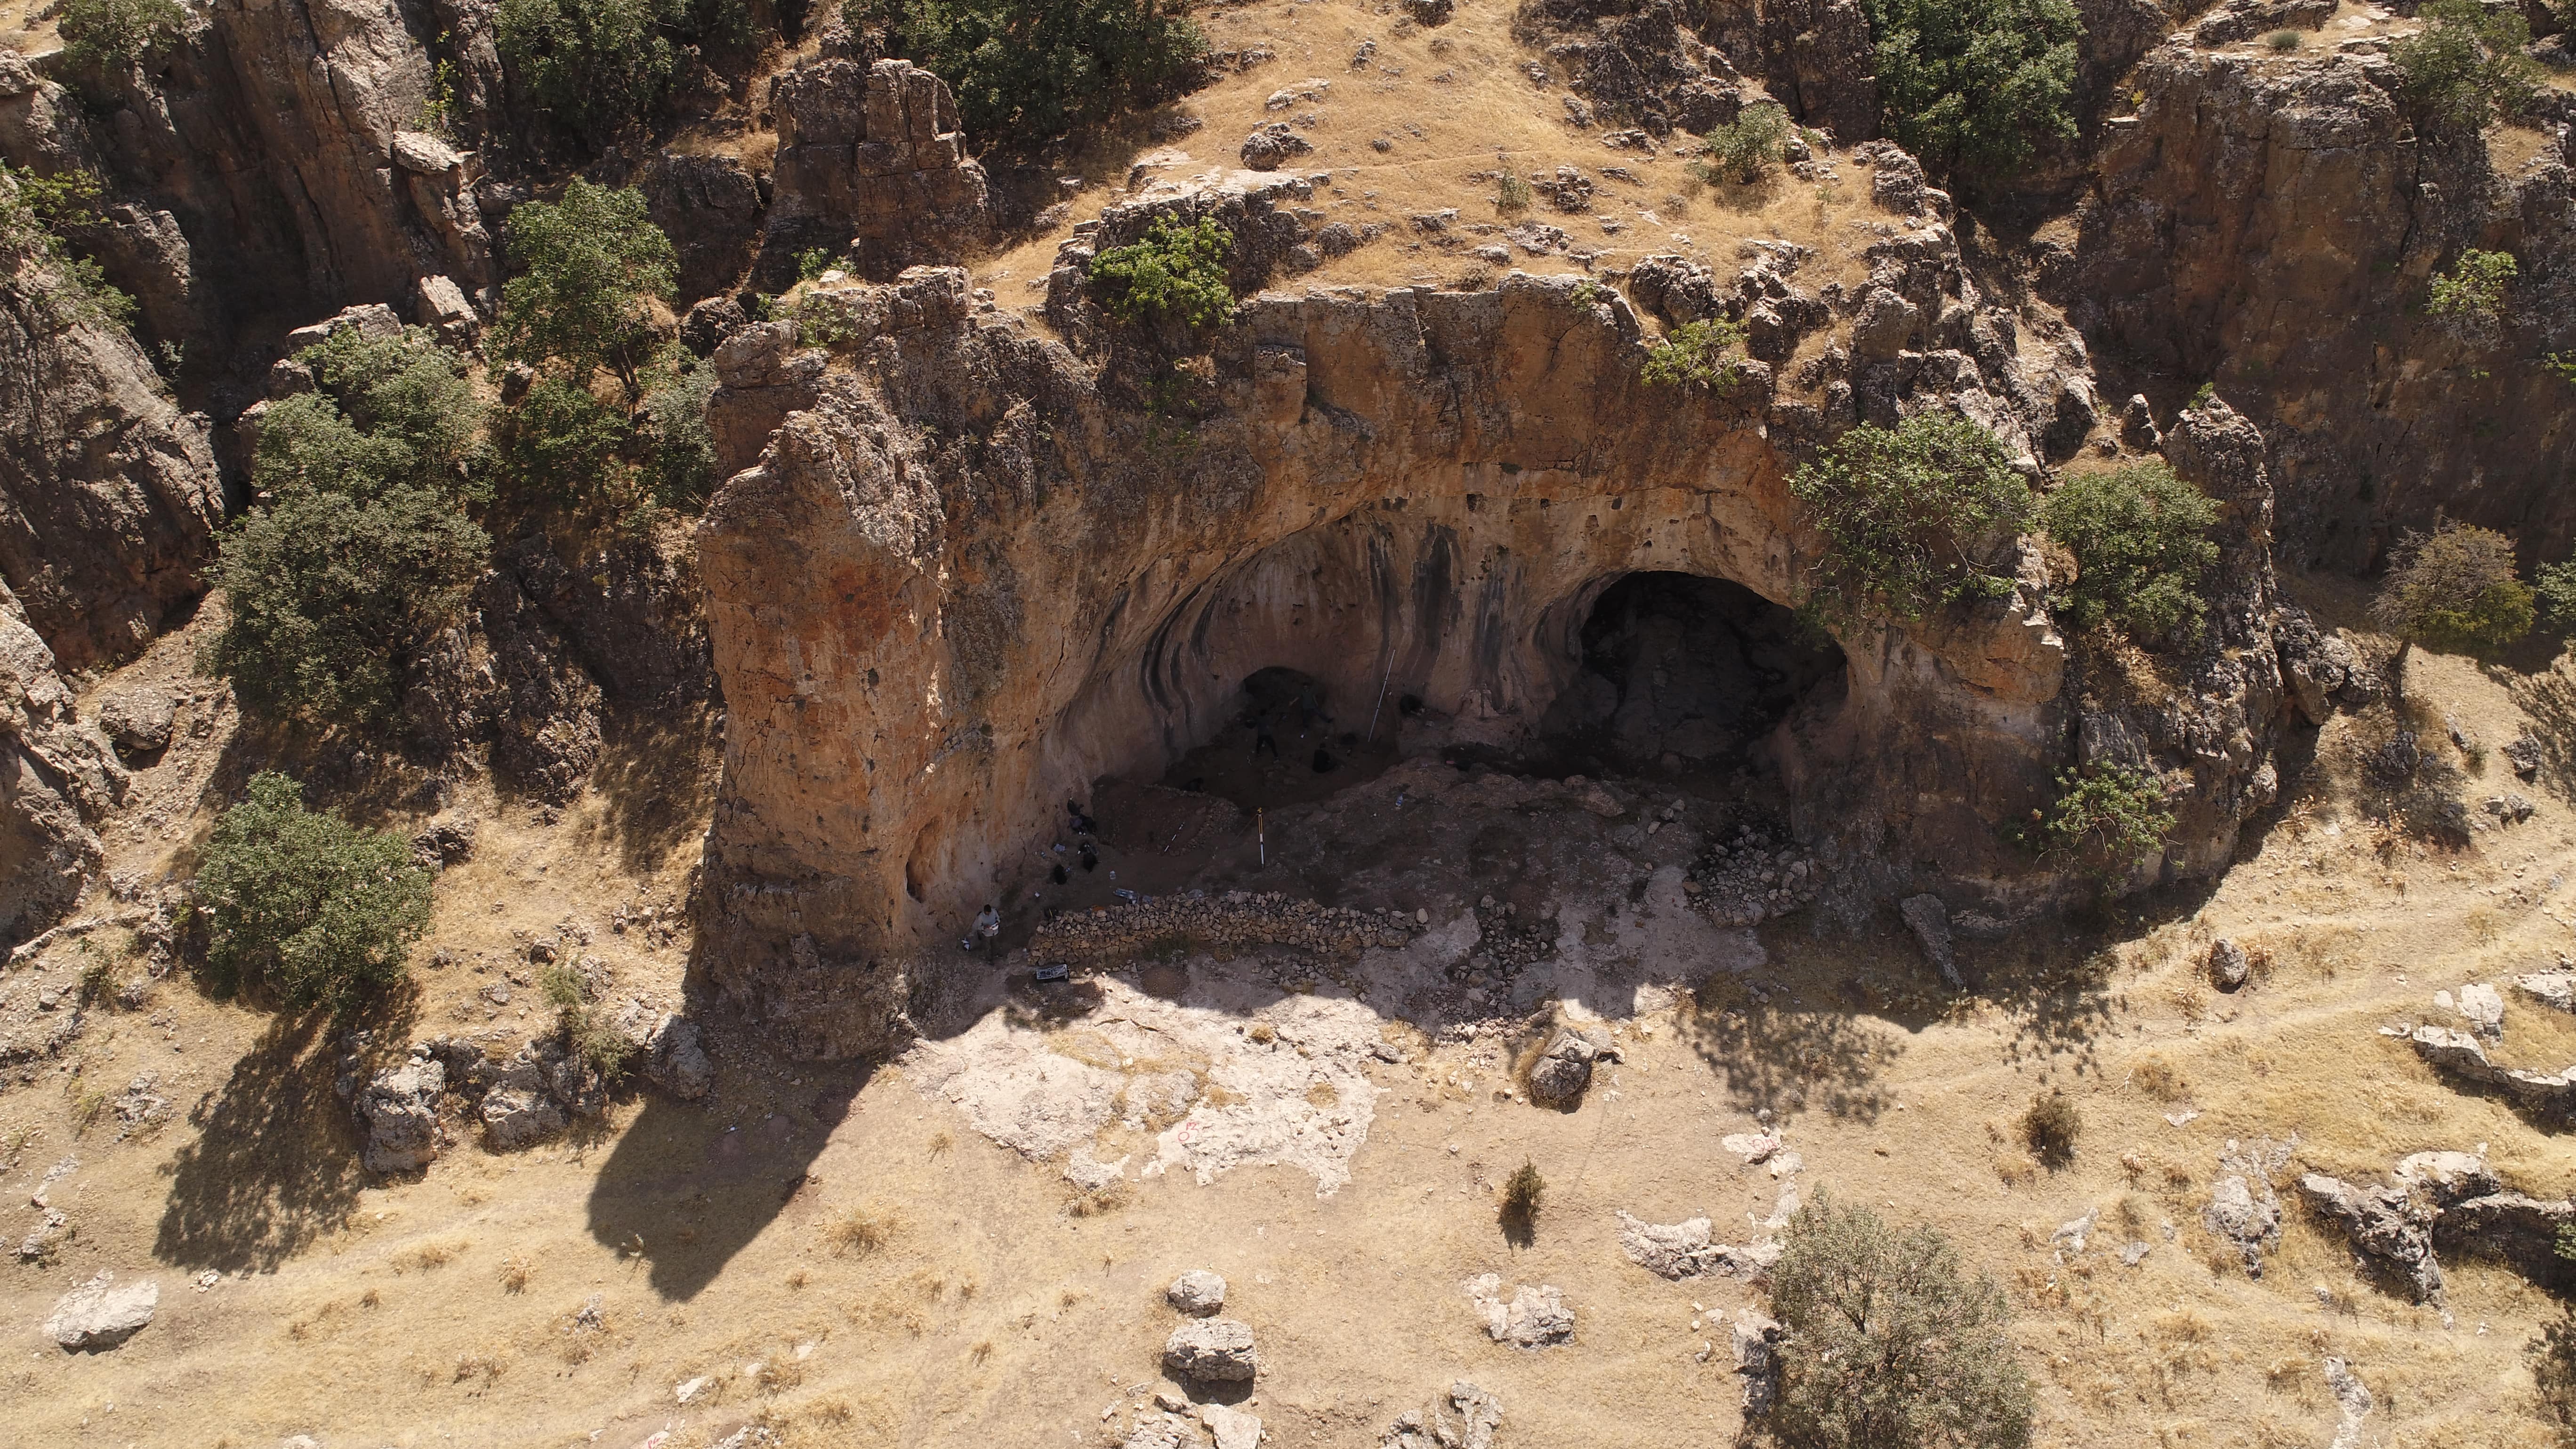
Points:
[1890,1343]
[1914,517]
[590,268]
[305,905]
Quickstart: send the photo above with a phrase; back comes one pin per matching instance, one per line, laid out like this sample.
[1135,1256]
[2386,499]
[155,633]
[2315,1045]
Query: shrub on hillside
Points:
[2467,66]
[585,1031]
[302,904]
[1176,273]
[2140,536]
[1696,354]
[1976,85]
[2050,1128]
[1027,70]
[113,34]
[2454,589]
[1889,1343]
[2473,290]
[1746,148]
[561,443]
[359,551]
[1913,518]
[2106,820]
[590,268]
[1523,1193]
[680,447]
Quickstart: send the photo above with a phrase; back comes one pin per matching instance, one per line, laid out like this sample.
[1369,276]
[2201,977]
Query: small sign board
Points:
[1054,972]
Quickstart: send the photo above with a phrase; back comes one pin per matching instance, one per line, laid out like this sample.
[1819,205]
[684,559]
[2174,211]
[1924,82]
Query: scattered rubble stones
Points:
[1756,1342]
[1198,1293]
[1533,1317]
[1231,1428]
[1232,921]
[2228,964]
[1212,1350]
[397,1110]
[2247,1215]
[2550,988]
[2522,752]
[138,721]
[2511,807]
[2387,1224]
[1681,1250]
[2460,1054]
[102,1313]
[1751,879]
[1479,1414]
[445,843]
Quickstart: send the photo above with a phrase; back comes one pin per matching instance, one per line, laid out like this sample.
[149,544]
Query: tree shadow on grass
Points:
[1773,1055]
[274,1167]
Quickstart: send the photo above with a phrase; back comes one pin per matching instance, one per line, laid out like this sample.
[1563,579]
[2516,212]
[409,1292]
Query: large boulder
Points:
[872,164]
[1198,1293]
[1564,1066]
[397,1110]
[102,1313]
[1534,1316]
[1212,1350]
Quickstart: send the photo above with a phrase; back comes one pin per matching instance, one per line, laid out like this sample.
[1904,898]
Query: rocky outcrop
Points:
[397,1110]
[1212,1350]
[1036,565]
[1533,1316]
[712,209]
[1479,1415]
[2250,194]
[872,163]
[1662,66]
[108,493]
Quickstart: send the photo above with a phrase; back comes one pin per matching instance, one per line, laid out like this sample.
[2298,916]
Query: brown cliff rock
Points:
[871,160]
[58,779]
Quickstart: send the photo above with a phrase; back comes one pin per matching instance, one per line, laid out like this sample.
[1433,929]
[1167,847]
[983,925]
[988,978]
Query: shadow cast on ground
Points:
[683,1192]
[274,1165]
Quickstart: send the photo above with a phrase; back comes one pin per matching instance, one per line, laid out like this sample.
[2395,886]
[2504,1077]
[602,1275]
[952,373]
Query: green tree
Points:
[327,598]
[1914,518]
[110,35]
[590,268]
[2454,589]
[2553,591]
[563,443]
[1889,1343]
[1746,148]
[386,413]
[1177,273]
[2467,66]
[681,448]
[2140,536]
[306,905]
[1025,71]
[597,65]
[35,264]
[1976,85]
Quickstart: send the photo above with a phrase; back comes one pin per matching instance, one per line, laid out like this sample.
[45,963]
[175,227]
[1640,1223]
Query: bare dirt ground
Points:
[897,1256]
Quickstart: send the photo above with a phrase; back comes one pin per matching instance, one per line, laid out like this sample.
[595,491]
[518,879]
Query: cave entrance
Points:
[1685,673]
[1317,744]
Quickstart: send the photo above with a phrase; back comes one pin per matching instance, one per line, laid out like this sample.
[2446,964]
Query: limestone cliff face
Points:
[108,493]
[2271,225]
[58,779]
[973,571]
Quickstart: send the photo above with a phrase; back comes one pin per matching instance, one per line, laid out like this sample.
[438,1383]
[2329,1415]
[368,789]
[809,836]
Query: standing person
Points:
[1090,856]
[1310,708]
[988,926]
[1262,738]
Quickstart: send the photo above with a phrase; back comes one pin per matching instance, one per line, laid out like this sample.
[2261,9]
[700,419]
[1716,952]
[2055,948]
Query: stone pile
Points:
[1506,945]
[1236,920]
[1751,879]
[1534,1316]
[519,1099]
